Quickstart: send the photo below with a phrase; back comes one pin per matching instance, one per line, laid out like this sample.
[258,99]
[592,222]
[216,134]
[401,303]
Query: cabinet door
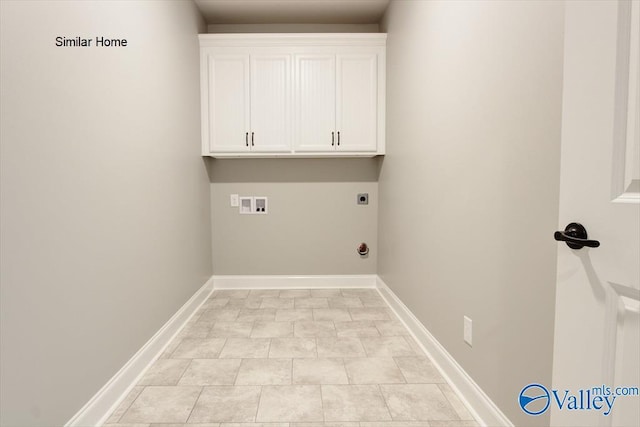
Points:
[228,102]
[357,93]
[315,103]
[270,103]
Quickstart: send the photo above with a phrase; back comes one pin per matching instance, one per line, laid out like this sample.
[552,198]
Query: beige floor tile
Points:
[262,329]
[353,403]
[292,348]
[418,369]
[231,330]
[340,347]
[251,315]
[211,372]
[305,328]
[195,330]
[325,293]
[375,313]
[293,358]
[198,348]
[214,303]
[387,346]
[391,328]
[373,301]
[358,328]
[139,425]
[264,372]
[251,425]
[311,303]
[219,314]
[252,303]
[359,293]
[264,293]
[124,405]
[277,303]
[345,302]
[226,404]
[295,314]
[338,424]
[417,402]
[415,346]
[373,370]
[397,424]
[158,404]
[460,423]
[171,347]
[230,293]
[295,293]
[290,403]
[185,425]
[165,372]
[333,314]
[319,371]
[242,348]
[455,401]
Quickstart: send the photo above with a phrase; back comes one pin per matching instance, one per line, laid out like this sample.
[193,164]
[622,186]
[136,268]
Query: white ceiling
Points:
[292,11]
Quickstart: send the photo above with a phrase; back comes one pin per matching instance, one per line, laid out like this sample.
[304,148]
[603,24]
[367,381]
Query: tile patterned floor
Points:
[292,358]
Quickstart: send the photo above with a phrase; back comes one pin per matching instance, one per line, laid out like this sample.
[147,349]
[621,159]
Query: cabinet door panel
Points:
[315,102]
[270,102]
[228,102]
[357,92]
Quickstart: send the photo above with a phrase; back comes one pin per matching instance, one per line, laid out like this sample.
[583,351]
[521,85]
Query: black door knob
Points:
[575,236]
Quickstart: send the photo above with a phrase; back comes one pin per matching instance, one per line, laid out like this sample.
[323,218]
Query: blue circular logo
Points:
[534,399]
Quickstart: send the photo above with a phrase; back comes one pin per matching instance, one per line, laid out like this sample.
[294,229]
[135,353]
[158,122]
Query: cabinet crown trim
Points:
[292,39]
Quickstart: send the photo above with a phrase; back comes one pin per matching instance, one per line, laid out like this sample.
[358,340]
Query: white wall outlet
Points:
[234,200]
[246,205]
[260,205]
[468,331]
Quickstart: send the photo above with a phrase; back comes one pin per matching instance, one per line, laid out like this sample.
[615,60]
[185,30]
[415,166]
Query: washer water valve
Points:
[363,249]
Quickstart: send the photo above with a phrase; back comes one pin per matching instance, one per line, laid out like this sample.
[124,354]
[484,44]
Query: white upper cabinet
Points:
[357,102]
[292,95]
[226,103]
[270,103]
[315,121]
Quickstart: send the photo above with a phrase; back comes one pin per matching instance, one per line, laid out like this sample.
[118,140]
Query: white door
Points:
[270,103]
[357,102]
[597,333]
[315,126]
[227,121]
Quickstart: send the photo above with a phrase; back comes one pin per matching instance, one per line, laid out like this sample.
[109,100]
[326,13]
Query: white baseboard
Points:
[105,401]
[478,403]
[295,282]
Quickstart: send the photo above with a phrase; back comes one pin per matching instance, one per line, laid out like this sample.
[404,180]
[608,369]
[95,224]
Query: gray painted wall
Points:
[469,187]
[313,226]
[104,197]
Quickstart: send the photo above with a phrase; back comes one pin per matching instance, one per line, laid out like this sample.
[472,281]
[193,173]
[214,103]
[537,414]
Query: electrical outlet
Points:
[234,200]
[363,199]
[261,205]
[468,331]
